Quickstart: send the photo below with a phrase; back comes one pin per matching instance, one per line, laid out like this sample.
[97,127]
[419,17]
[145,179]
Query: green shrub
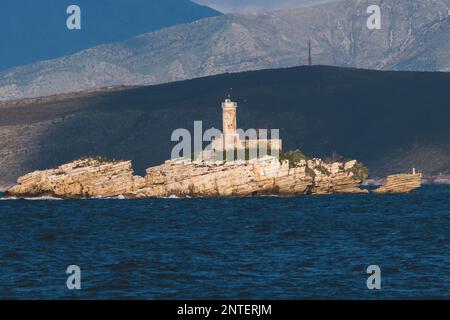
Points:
[310,172]
[294,157]
[103,160]
[360,171]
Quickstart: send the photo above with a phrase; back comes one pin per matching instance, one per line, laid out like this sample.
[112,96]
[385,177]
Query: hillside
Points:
[34,30]
[414,36]
[392,121]
[251,6]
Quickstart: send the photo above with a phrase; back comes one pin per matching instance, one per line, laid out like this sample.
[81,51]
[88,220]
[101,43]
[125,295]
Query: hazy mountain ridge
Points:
[391,121]
[235,43]
[34,30]
[252,6]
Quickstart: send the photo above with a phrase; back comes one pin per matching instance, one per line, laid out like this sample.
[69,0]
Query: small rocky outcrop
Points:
[85,178]
[89,178]
[400,183]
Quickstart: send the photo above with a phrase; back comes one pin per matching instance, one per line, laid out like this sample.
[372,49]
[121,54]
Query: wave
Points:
[6,199]
[44,198]
[119,197]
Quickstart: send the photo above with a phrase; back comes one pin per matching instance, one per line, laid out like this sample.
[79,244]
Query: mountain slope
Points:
[427,52]
[234,43]
[392,121]
[251,6]
[36,30]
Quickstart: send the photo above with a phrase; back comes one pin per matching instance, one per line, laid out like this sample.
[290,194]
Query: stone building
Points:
[234,139]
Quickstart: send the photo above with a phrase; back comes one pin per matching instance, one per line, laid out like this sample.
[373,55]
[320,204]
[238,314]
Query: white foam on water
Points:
[47,198]
[119,197]
[6,199]
[171,197]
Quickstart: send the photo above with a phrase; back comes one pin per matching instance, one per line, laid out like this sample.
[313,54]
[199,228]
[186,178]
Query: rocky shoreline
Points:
[97,178]
[101,178]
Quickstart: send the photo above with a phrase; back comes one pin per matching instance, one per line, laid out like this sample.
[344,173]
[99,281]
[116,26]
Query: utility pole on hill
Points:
[309,54]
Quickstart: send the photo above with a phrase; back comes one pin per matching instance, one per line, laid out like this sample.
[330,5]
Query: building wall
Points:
[233,142]
[274,144]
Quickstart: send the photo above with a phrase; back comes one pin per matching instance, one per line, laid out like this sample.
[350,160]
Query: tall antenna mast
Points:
[309,54]
[229,94]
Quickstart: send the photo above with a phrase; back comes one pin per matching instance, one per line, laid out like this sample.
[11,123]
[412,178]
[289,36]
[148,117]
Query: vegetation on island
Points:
[103,160]
[360,171]
[294,157]
[97,160]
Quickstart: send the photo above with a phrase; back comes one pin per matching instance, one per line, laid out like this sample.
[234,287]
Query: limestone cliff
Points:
[266,176]
[84,178]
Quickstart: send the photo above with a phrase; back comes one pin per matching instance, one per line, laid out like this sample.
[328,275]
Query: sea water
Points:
[236,248]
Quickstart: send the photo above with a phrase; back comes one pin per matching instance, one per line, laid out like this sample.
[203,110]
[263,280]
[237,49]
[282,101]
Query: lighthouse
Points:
[229,129]
[231,139]
[229,117]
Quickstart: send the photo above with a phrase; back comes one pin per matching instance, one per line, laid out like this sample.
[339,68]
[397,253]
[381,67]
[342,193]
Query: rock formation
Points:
[265,176]
[85,178]
[400,183]
[90,177]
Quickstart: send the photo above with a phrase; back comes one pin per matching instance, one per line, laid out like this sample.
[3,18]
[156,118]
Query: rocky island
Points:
[100,178]
[273,173]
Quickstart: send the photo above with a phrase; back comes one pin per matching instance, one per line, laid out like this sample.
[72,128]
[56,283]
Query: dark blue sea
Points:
[249,248]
